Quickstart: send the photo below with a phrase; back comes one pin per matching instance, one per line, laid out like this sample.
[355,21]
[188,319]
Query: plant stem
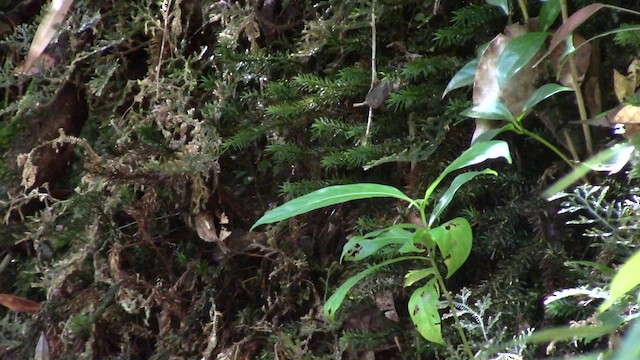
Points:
[453,309]
[570,145]
[544,142]
[576,87]
[523,8]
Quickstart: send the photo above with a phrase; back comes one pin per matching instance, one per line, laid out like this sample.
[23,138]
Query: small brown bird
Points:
[377,95]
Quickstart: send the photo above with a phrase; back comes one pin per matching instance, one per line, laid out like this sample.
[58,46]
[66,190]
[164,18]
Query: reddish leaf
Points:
[572,23]
[19,304]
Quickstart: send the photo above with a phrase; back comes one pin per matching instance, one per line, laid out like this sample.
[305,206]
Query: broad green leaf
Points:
[541,94]
[490,111]
[548,14]
[489,135]
[612,155]
[476,154]
[454,239]
[413,276]
[329,196]
[424,312]
[463,77]
[625,280]
[479,153]
[446,198]
[502,4]
[361,247]
[517,54]
[335,300]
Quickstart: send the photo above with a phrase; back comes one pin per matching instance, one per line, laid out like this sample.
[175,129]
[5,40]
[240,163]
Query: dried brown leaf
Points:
[622,86]
[205,227]
[626,114]
[19,304]
[633,70]
[486,88]
[582,57]
[386,304]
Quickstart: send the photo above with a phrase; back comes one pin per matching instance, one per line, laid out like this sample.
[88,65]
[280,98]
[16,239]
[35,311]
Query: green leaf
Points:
[335,300]
[625,280]
[548,14]
[476,154]
[568,333]
[596,265]
[502,4]
[424,312]
[416,238]
[413,276]
[479,153]
[453,188]
[490,111]
[630,348]
[329,196]
[463,77]
[517,54]
[489,135]
[361,247]
[615,155]
[423,238]
[454,239]
[542,93]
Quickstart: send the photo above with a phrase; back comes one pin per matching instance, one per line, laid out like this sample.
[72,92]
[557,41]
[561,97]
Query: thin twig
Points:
[165,29]
[523,8]
[374,72]
[576,87]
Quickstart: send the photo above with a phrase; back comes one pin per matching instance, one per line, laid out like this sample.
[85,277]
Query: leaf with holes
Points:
[454,239]
[424,312]
[413,276]
[361,247]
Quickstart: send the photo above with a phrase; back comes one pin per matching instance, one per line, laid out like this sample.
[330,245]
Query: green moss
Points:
[10,131]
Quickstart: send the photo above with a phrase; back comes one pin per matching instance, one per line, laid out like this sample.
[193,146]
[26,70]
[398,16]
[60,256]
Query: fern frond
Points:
[328,128]
[286,152]
[428,67]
